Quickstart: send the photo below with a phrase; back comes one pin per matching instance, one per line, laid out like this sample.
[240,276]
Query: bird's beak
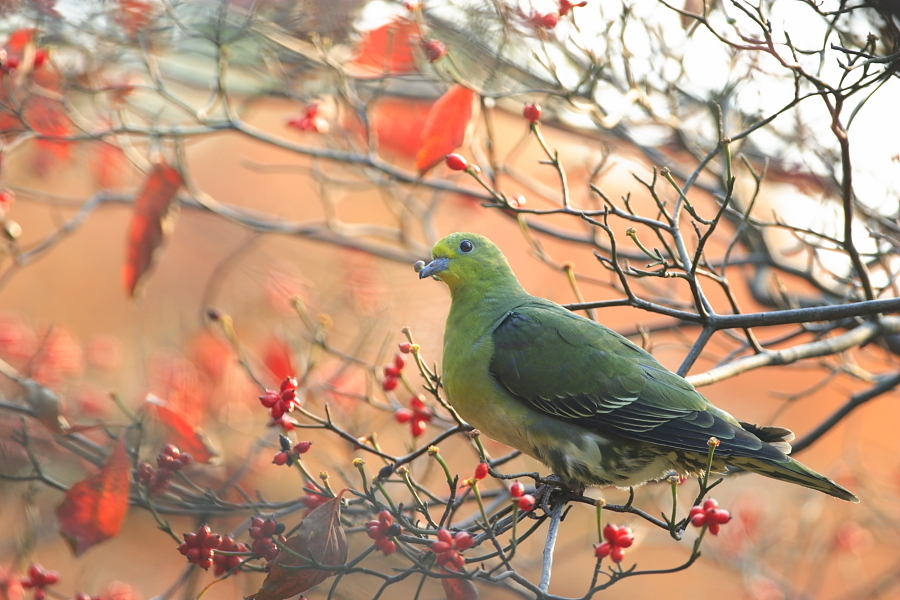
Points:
[435,266]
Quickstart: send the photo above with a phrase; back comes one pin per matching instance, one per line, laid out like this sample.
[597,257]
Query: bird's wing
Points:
[574,369]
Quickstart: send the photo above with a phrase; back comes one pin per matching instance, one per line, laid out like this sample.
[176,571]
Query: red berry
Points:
[40,594]
[391,371]
[565,6]
[374,531]
[516,489]
[417,426]
[385,518]
[710,504]
[545,21]
[434,49]
[463,540]
[302,447]
[288,384]
[625,541]
[720,517]
[610,533]
[617,554]
[698,520]
[481,471]
[405,347]
[270,398]
[445,536]
[714,528]
[281,458]
[389,383]
[696,510]
[456,162]
[269,527]
[526,502]
[399,362]
[439,547]
[387,546]
[403,415]
[532,112]
[602,550]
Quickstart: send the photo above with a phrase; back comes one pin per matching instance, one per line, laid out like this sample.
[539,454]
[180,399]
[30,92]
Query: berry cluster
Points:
[525,501]
[382,530]
[709,514]
[393,373]
[283,401]
[617,539]
[170,461]
[311,120]
[199,547]
[262,532]
[289,453]
[417,415]
[448,548]
[227,562]
[38,579]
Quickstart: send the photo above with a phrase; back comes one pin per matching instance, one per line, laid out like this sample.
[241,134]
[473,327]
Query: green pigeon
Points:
[577,396]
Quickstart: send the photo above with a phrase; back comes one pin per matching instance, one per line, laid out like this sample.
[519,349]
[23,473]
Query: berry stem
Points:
[404,472]
[487,523]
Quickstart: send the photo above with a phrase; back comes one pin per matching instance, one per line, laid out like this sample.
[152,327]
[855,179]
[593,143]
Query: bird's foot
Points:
[554,489]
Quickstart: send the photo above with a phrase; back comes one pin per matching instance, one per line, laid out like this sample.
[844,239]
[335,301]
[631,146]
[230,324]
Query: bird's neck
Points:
[487,298]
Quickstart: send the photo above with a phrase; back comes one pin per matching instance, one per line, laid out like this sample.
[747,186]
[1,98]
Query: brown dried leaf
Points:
[459,589]
[320,537]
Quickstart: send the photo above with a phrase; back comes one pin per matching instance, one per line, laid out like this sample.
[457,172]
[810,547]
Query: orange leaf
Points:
[445,129]
[459,589]
[93,509]
[149,222]
[321,537]
[278,358]
[182,434]
[387,50]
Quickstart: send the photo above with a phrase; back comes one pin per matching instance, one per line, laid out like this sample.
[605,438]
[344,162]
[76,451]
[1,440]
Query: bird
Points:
[591,405]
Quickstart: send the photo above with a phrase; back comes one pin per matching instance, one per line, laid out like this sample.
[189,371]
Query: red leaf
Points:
[93,509]
[182,434]
[278,358]
[149,222]
[321,537]
[387,50]
[459,589]
[445,129]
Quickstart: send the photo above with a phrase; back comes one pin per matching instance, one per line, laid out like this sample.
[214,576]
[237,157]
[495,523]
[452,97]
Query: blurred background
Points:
[279,165]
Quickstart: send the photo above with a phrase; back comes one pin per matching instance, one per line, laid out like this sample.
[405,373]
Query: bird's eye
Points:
[466,246]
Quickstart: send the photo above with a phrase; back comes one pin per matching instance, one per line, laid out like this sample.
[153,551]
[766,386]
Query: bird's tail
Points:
[794,472]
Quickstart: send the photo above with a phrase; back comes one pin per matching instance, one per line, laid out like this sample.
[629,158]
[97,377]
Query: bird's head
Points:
[466,259]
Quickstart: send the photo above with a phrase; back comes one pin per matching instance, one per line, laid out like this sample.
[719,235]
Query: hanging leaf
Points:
[94,509]
[321,537]
[387,50]
[149,222]
[459,589]
[445,129]
[179,431]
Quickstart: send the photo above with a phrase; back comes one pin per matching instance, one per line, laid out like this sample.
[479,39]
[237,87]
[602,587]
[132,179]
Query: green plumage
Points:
[591,405]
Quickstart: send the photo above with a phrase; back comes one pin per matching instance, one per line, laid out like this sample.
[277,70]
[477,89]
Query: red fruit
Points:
[714,528]
[456,162]
[516,489]
[445,536]
[269,527]
[720,517]
[463,540]
[391,371]
[696,510]
[698,520]
[602,550]
[256,522]
[302,447]
[185,459]
[624,541]
[545,21]
[617,554]
[399,362]
[610,533]
[434,49]
[481,471]
[565,6]
[387,546]
[526,502]
[439,547]
[281,458]
[277,411]
[36,573]
[374,531]
[389,383]
[289,383]
[417,427]
[40,594]
[50,577]
[404,415]
[405,347]
[385,518]
[270,398]
[710,504]
[532,113]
